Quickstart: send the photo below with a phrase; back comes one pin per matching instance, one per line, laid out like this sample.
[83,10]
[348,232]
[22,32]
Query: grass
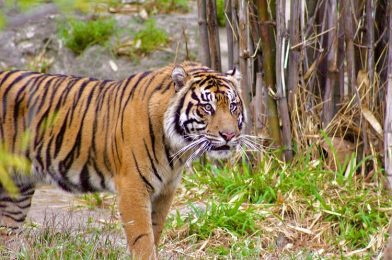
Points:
[150,37]
[62,240]
[299,210]
[78,35]
[317,212]
[167,6]
[145,41]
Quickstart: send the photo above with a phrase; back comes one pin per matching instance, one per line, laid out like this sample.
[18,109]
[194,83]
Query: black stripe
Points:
[7,75]
[141,77]
[152,136]
[9,87]
[60,136]
[176,122]
[167,153]
[147,86]
[25,206]
[139,237]
[141,175]
[85,180]
[13,212]
[100,174]
[16,219]
[26,188]
[40,130]
[154,170]
[18,101]
[75,151]
[15,200]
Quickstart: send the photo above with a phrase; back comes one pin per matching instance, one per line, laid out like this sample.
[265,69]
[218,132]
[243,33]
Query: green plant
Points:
[220,10]
[168,6]
[78,35]
[149,38]
[63,241]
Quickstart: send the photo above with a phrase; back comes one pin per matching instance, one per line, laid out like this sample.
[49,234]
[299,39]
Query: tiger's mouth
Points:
[221,148]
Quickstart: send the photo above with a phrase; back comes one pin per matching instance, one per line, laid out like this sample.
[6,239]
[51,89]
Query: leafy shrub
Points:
[150,38]
[78,35]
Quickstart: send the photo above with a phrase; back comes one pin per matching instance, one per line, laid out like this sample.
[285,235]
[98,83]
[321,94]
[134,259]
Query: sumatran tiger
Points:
[132,137]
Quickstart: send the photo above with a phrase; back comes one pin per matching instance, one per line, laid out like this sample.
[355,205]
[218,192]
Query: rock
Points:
[10,57]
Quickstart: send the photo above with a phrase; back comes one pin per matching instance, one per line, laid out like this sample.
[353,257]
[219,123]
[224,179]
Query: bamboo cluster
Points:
[315,74]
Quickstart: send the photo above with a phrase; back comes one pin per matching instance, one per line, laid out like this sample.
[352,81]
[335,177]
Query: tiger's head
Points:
[206,114]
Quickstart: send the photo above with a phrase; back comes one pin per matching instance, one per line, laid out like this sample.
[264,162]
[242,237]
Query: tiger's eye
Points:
[233,106]
[207,107]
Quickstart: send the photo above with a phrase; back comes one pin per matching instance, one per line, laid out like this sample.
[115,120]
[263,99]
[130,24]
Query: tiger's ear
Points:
[179,77]
[234,73]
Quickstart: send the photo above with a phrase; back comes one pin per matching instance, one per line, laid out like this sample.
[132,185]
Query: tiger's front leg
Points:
[160,209]
[135,211]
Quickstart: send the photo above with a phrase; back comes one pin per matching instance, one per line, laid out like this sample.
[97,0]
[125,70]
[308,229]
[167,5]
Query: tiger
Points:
[131,137]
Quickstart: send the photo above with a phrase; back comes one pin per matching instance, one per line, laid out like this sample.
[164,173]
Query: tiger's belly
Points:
[75,179]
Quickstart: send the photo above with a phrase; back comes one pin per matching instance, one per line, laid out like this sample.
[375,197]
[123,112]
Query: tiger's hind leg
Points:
[14,208]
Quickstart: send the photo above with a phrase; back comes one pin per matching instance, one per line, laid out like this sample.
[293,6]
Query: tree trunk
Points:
[268,67]
[205,48]
[244,56]
[295,53]
[213,35]
[370,45]
[229,33]
[281,43]
[328,106]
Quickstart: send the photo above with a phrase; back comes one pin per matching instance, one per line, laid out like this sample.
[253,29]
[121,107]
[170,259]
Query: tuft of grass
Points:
[168,6]
[145,41]
[2,20]
[78,35]
[62,240]
[150,38]
[231,217]
[97,200]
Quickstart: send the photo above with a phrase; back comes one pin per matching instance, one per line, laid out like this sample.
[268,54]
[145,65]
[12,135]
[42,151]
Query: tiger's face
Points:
[206,115]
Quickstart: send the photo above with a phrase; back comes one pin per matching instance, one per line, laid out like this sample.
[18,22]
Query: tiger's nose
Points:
[227,135]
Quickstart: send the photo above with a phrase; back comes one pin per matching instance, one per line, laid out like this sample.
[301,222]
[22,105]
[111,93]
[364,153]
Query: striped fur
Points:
[131,136]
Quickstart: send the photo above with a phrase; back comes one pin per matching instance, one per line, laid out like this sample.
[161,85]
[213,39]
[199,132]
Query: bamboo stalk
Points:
[260,105]
[213,35]
[244,55]
[229,33]
[268,68]
[328,105]
[280,79]
[234,19]
[370,45]
[341,56]
[350,60]
[255,36]
[295,54]
[205,48]
[388,111]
